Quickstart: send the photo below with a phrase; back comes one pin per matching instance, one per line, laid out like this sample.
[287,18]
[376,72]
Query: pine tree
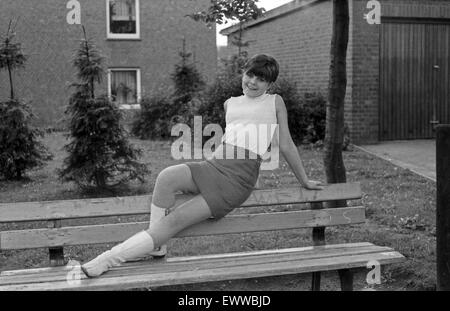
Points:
[99,153]
[186,78]
[20,149]
[187,83]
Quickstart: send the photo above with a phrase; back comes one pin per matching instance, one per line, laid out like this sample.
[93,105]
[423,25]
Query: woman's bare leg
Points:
[170,181]
[185,215]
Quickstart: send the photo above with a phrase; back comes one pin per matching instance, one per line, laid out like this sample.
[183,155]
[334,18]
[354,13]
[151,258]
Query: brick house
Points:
[398,81]
[139,39]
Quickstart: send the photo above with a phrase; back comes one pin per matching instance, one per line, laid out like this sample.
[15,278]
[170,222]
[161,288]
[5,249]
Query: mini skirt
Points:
[225,183]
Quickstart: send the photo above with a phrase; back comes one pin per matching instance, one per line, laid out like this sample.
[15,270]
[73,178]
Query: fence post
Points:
[443,207]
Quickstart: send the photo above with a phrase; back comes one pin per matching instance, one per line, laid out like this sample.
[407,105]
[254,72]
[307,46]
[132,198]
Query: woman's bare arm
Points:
[288,148]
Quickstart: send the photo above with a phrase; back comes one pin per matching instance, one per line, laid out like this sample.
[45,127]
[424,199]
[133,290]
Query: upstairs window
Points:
[124,87]
[123,19]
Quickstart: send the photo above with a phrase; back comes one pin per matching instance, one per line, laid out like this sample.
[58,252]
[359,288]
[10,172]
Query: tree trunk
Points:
[100,179]
[240,39]
[91,81]
[10,80]
[92,88]
[334,134]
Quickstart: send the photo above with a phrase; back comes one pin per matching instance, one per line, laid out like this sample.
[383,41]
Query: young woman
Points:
[221,183]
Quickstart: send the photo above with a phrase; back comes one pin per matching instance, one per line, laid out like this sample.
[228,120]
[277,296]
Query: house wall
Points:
[49,41]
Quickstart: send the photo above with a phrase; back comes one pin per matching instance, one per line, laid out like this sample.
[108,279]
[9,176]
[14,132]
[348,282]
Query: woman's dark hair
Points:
[263,66]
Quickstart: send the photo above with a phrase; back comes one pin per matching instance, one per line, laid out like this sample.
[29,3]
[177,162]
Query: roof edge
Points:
[287,8]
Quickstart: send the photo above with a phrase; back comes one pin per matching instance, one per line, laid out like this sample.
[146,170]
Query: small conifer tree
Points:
[20,149]
[99,153]
[186,78]
[187,82]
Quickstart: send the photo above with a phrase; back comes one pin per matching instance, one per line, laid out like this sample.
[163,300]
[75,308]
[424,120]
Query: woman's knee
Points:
[166,178]
[175,178]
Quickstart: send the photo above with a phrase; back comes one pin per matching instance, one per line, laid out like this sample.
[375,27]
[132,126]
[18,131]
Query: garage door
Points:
[414,78]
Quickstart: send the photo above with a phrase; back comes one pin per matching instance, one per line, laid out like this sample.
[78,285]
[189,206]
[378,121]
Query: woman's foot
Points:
[137,246]
[158,253]
[100,264]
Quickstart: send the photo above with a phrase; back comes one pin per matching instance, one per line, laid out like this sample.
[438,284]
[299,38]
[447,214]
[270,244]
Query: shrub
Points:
[314,105]
[20,149]
[153,121]
[306,113]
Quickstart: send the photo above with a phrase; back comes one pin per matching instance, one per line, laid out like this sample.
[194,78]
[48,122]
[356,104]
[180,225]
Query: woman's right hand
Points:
[313,185]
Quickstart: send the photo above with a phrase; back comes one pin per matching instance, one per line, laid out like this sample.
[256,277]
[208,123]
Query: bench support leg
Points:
[318,234]
[346,277]
[56,256]
[56,253]
[315,284]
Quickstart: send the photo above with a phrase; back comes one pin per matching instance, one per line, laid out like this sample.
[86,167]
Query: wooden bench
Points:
[344,258]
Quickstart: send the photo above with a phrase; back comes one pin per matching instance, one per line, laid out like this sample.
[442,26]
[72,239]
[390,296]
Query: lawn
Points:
[400,208]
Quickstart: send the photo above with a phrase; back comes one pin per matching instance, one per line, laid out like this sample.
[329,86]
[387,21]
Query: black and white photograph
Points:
[226,153]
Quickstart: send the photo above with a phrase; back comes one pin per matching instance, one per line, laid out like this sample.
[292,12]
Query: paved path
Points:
[419,156]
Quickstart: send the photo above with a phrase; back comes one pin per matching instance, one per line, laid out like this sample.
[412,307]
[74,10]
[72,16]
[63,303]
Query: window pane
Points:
[124,87]
[122,16]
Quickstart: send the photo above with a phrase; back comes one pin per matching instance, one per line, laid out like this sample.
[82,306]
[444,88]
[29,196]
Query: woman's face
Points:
[254,86]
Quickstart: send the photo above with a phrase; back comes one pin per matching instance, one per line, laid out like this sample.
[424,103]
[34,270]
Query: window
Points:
[122,19]
[124,87]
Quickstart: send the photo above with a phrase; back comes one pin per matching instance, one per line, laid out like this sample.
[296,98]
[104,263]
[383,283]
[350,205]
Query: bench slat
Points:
[95,234]
[178,264]
[135,205]
[147,274]
[40,272]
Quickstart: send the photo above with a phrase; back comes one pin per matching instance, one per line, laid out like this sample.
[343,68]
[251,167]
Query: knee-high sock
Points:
[136,246]
[156,213]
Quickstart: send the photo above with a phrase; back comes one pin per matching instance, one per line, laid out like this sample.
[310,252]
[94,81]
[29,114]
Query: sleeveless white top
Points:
[251,122]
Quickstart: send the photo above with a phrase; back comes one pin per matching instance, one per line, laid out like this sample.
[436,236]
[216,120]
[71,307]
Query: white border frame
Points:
[117,36]
[138,86]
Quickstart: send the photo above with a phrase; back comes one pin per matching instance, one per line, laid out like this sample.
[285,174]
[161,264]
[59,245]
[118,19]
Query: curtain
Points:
[124,86]
[123,16]
[123,9]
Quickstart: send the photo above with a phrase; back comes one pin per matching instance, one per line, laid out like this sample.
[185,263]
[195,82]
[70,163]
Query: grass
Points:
[400,213]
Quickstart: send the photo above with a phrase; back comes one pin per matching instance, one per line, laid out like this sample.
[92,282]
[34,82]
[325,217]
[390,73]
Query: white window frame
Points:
[122,36]
[138,86]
